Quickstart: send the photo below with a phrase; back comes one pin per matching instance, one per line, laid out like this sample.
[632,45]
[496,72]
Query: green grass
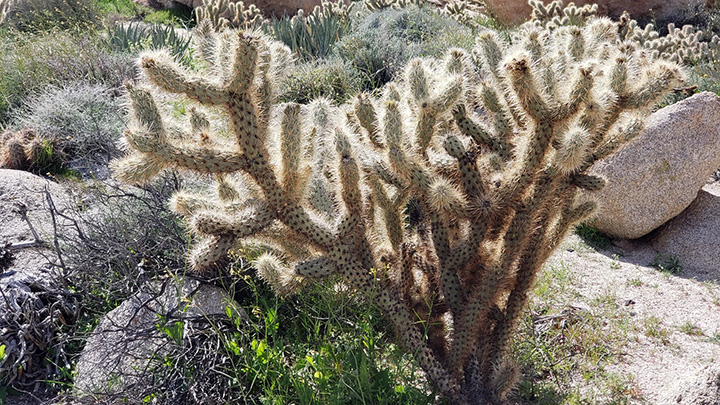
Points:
[592,236]
[669,264]
[691,329]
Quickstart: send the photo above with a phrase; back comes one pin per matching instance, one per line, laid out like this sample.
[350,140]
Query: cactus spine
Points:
[462,212]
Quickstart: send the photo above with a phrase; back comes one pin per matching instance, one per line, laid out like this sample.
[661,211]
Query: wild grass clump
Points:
[333,78]
[32,62]
[326,346]
[43,15]
[86,118]
[386,39]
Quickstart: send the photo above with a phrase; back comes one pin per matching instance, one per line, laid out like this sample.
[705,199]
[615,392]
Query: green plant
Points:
[592,236]
[314,35]
[691,329]
[334,79]
[384,40]
[443,220]
[31,63]
[43,15]
[669,264]
[654,329]
[134,37]
[81,125]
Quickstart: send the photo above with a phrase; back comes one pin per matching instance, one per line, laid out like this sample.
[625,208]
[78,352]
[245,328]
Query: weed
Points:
[669,264]
[654,329]
[634,282]
[691,329]
[592,236]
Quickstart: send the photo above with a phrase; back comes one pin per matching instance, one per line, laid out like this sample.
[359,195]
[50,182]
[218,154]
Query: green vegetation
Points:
[61,73]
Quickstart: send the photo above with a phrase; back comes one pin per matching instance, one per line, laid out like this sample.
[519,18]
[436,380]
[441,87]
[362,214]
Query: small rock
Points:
[657,175]
[694,235]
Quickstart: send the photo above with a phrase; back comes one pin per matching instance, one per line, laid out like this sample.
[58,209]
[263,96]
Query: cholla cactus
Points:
[224,14]
[686,45]
[444,218]
[374,5]
[25,150]
[5,8]
[555,15]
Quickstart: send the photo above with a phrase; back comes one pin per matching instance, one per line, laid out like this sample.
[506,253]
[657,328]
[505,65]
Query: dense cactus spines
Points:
[441,199]
[222,14]
[26,150]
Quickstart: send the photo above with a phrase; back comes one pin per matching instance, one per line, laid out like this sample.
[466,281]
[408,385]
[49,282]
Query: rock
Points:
[516,11]
[34,305]
[120,350]
[694,235]
[658,174]
[703,389]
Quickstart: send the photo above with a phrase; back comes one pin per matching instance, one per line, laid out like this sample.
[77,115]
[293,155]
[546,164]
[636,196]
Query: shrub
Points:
[42,15]
[331,78]
[86,118]
[492,196]
[30,63]
[385,40]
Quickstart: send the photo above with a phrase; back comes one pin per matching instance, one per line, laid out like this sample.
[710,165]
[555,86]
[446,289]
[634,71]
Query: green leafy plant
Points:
[314,35]
[134,37]
[412,200]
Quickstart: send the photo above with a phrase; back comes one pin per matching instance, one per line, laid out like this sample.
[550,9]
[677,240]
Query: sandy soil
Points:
[661,367]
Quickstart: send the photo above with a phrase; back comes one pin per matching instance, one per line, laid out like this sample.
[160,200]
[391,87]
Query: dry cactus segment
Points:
[442,216]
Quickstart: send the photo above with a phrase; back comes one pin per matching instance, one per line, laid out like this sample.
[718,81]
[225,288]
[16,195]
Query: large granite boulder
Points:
[657,175]
[516,11]
[120,353]
[694,235]
[34,304]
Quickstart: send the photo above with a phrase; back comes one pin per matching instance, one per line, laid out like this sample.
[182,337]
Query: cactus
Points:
[222,14]
[25,150]
[444,218]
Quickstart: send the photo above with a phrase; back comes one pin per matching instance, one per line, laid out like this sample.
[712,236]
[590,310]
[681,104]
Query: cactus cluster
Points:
[373,5]
[26,150]
[224,14]
[682,45]
[440,198]
[554,15]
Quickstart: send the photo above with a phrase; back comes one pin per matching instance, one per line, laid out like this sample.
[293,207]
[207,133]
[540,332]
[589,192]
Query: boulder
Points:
[513,12]
[122,348]
[694,235]
[658,174]
[34,304]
